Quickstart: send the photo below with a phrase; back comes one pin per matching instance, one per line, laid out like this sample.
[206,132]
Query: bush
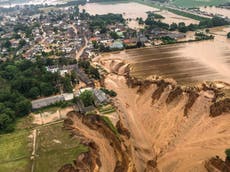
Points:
[87,98]
[227,152]
[111,93]
[228,35]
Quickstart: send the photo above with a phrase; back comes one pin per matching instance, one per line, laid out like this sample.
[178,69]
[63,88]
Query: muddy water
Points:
[187,63]
[132,11]
[217,11]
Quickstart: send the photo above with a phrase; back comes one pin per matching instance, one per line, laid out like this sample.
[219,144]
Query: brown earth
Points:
[168,123]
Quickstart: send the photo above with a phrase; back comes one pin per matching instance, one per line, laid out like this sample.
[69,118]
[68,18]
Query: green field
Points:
[15,152]
[197,3]
[54,148]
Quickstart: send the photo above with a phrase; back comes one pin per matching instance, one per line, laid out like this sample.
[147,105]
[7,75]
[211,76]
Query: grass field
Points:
[54,148]
[15,151]
[197,3]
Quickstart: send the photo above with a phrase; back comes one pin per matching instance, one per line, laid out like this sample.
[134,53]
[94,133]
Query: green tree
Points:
[228,35]
[34,93]
[227,152]
[87,98]
[7,44]
[114,35]
[22,42]
[173,27]
[23,107]
[46,89]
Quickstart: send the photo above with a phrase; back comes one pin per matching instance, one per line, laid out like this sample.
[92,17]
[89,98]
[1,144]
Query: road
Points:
[81,51]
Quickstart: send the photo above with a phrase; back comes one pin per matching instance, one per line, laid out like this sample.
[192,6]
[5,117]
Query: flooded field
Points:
[187,62]
[133,10]
[216,11]
[10,3]
[171,17]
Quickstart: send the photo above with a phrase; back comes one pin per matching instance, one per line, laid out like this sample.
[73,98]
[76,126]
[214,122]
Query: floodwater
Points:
[171,17]
[216,11]
[8,3]
[186,63]
[133,10]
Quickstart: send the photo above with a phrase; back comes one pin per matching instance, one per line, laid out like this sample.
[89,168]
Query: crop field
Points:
[54,148]
[197,3]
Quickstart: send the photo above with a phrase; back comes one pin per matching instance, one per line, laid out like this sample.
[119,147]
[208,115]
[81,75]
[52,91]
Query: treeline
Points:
[22,81]
[181,27]
[101,21]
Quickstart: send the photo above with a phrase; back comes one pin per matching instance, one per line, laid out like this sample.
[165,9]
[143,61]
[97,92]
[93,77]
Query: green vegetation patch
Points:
[15,152]
[107,109]
[110,125]
[15,146]
[22,165]
[56,148]
[197,3]
[188,15]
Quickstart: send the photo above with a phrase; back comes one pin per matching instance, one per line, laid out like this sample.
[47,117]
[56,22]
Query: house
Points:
[40,103]
[117,45]
[99,97]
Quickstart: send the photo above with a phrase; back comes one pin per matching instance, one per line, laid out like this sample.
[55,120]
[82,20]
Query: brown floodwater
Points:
[187,62]
[132,10]
[216,11]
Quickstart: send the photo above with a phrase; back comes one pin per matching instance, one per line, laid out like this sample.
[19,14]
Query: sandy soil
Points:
[47,117]
[180,143]
[107,156]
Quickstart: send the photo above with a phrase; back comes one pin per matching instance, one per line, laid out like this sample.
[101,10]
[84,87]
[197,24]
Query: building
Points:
[40,103]
[99,97]
[117,45]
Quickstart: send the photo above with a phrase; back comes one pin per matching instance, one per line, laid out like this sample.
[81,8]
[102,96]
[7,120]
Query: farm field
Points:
[197,3]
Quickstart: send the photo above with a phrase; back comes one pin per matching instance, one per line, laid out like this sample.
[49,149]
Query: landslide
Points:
[107,150]
[169,123]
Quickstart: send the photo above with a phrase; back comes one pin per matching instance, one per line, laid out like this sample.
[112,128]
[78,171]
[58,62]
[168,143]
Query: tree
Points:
[46,89]
[22,42]
[182,27]
[7,44]
[173,27]
[87,98]
[34,93]
[23,107]
[228,35]
[227,152]
[114,35]
[5,120]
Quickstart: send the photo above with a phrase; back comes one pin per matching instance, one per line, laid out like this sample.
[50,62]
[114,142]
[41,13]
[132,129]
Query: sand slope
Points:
[180,143]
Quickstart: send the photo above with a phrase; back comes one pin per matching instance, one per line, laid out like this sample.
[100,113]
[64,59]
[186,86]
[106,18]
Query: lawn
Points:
[107,109]
[15,152]
[197,3]
[56,148]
